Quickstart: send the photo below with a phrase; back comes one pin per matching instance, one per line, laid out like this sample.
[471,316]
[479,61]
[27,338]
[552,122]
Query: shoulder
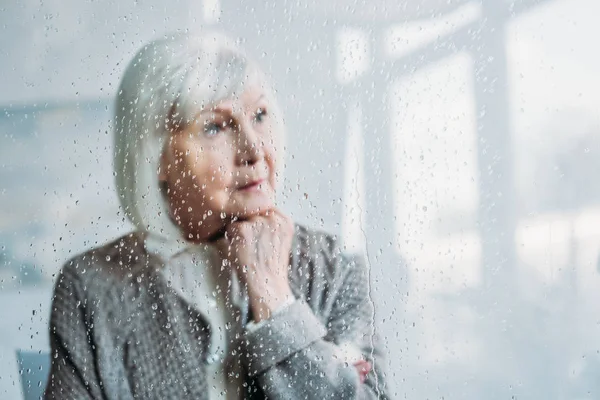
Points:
[102,283]
[315,241]
[113,261]
[320,258]
[105,271]
[320,245]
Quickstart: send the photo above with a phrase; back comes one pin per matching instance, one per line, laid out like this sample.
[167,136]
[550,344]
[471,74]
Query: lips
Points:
[251,184]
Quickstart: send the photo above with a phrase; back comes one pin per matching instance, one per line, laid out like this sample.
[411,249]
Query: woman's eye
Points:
[214,128]
[259,115]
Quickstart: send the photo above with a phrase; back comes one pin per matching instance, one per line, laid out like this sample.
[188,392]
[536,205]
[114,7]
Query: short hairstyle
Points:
[167,83]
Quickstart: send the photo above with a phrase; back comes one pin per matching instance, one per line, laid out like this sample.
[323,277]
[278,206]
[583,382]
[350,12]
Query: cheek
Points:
[206,181]
[273,147]
[213,169]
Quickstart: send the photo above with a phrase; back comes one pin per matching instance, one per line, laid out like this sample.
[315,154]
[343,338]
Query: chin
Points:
[253,207]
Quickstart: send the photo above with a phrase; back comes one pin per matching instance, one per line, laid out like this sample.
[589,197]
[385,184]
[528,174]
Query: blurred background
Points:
[456,143]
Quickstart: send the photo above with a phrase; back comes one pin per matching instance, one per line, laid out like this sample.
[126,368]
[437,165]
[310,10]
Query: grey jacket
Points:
[119,331]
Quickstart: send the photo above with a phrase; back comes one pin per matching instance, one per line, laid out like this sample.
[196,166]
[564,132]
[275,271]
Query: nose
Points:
[250,149]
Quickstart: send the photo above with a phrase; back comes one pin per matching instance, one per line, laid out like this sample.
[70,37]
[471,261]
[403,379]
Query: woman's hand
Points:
[259,248]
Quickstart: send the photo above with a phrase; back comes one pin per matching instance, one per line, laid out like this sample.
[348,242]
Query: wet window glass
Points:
[218,199]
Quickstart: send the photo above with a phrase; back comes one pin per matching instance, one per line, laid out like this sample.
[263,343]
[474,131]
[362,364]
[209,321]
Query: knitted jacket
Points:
[118,330]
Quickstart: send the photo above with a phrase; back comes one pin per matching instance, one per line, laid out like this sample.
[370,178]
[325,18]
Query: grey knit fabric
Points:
[119,331]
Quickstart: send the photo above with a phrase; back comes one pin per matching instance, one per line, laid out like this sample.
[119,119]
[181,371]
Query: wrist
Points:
[263,307]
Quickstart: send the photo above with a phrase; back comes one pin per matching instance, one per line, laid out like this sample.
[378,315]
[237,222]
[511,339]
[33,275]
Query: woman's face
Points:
[222,165]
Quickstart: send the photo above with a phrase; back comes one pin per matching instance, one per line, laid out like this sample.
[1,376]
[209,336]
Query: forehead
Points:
[247,99]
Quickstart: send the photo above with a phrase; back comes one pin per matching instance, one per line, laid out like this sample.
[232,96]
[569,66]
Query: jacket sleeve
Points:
[293,355]
[72,372]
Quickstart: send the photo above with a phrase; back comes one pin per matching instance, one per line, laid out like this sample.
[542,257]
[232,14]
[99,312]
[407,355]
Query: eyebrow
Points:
[228,109]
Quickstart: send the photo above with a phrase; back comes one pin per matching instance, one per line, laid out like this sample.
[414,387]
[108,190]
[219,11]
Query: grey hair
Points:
[167,83]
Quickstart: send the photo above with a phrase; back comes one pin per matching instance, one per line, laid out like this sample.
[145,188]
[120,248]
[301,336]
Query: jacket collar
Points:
[168,249]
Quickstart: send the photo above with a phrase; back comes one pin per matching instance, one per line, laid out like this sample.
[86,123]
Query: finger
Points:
[283,222]
[363,368]
[279,214]
[243,234]
[232,236]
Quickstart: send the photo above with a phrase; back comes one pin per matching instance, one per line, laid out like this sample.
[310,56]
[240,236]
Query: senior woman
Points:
[216,293]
